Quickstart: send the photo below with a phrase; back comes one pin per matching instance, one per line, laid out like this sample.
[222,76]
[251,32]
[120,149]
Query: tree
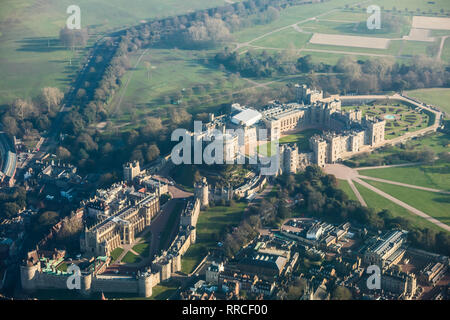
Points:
[51,97]
[48,218]
[341,293]
[152,153]
[10,125]
[9,209]
[63,153]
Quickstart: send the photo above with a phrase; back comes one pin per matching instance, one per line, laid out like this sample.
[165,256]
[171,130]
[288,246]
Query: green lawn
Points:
[379,203]
[344,186]
[211,224]
[432,176]
[115,254]
[434,204]
[130,257]
[300,138]
[439,97]
[142,249]
[28,63]
[165,290]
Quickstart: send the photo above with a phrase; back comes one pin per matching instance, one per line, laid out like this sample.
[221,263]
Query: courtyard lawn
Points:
[164,290]
[439,97]
[210,226]
[436,205]
[115,254]
[300,138]
[142,249]
[130,257]
[379,203]
[344,186]
[435,176]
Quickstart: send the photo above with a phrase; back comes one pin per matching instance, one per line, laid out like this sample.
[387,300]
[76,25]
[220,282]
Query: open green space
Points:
[142,249]
[211,224]
[439,97]
[115,254]
[174,77]
[379,203]
[30,55]
[345,186]
[164,290]
[300,138]
[130,257]
[431,176]
[434,204]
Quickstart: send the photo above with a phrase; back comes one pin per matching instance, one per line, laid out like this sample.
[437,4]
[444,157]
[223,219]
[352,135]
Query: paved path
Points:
[356,192]
[404,184]
[404,205]
[441,47]
[390,166]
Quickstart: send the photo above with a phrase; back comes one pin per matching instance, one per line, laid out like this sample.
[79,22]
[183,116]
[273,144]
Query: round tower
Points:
[202,192]
[86,283]
[28,275]
[145,281]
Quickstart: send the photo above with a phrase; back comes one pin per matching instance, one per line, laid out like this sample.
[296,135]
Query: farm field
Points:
[431,176]
[211,223]
[439,97]
[30,55]
[379,203]
[434,204]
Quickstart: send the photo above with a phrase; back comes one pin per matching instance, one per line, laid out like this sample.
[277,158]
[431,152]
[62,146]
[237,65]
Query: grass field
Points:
[28,27]
[130,257]
[379,203]
[439,97]
[142,249]
[210,225]
[115,254]
[434,204]
[432,176]
[300,138]
[164,290]
[172,72]
[344,186]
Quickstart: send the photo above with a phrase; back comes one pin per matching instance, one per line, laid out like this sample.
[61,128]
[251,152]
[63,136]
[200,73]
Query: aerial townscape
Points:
[225,150]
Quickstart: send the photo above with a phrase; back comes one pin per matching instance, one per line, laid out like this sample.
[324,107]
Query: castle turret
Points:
[202,192]
[146,284]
